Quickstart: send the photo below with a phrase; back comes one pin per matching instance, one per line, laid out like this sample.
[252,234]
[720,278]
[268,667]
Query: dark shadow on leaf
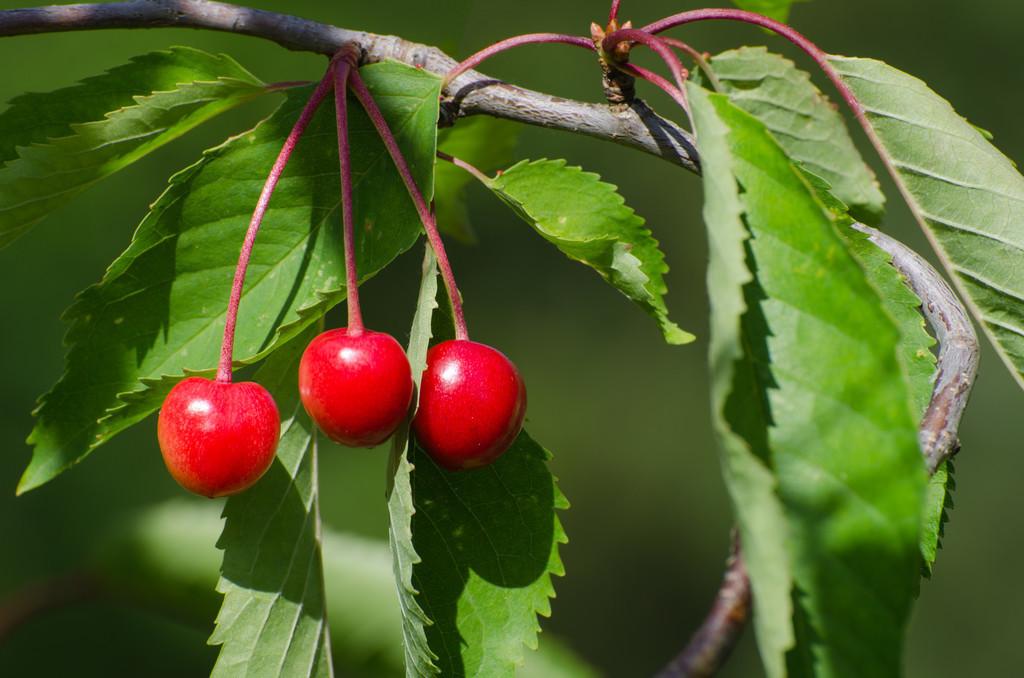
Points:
[496,523]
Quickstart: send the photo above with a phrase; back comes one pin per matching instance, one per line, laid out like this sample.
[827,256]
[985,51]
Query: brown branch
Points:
[632,124]
[955,371]
[957,365]
[713,642]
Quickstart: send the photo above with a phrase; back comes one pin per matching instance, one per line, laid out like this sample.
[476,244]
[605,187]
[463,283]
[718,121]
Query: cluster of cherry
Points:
[219,437]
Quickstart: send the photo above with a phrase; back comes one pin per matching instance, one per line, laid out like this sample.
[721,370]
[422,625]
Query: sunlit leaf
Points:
[159,311]
[841,436]
[589,221]
[804,122]
[420,659]
[55,145]
[967,195]
[746,459]
[273,621]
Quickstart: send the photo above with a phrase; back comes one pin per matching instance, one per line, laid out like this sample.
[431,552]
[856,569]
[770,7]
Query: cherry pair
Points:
[358,387]
[218,438]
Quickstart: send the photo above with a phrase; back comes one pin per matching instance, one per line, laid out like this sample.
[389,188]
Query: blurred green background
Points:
[625,415]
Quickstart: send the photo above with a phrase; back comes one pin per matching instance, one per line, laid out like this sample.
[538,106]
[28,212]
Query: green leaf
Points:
[967,195]
[163,559]
[803,121]
[53,146]
[420,660]
[938,504]
[746,460]
[474,551]
[488,540]
[159,312]
[917,361]
[273,621]
[776,9]
[486,143]
[842,440]
[594,227]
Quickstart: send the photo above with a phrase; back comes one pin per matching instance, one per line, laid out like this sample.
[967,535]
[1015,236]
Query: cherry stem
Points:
[287,84]
[426,215]
[462,164]
[227,346]
[613,13]
[517,41]
[650,76]
[795,37]
[342,68]
[646,39]
[697,57]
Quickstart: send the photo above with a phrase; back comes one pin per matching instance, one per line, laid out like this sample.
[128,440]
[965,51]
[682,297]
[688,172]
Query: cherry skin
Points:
[472,404]
[357,387]
[218,438]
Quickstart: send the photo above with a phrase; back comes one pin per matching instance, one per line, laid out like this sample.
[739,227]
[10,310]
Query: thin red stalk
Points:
[812,50]
[426,216]
[650,76]
[517,41]
[657,46]
[701,62]
[227,347]
[613,13]
[287,84]
[820,58]
[462,164]
[342,68]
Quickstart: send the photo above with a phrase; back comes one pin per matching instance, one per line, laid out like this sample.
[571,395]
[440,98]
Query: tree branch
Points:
[955,371]
[957,365]
[713,642]
[633,124]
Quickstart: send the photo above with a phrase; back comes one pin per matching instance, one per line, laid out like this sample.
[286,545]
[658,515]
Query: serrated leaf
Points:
[488,540]
[273,621]
[159,311]
[486,143]
[53,146]
[589,221]
[968,197]
[473,551]
[776,9]
[420,660]
[842,441]
[164,559]
[746,461]
[804,122]
[918,361]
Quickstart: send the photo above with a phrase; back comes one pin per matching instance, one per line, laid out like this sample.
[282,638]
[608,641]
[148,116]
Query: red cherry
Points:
[472,404]
[357,387]
[218,438]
